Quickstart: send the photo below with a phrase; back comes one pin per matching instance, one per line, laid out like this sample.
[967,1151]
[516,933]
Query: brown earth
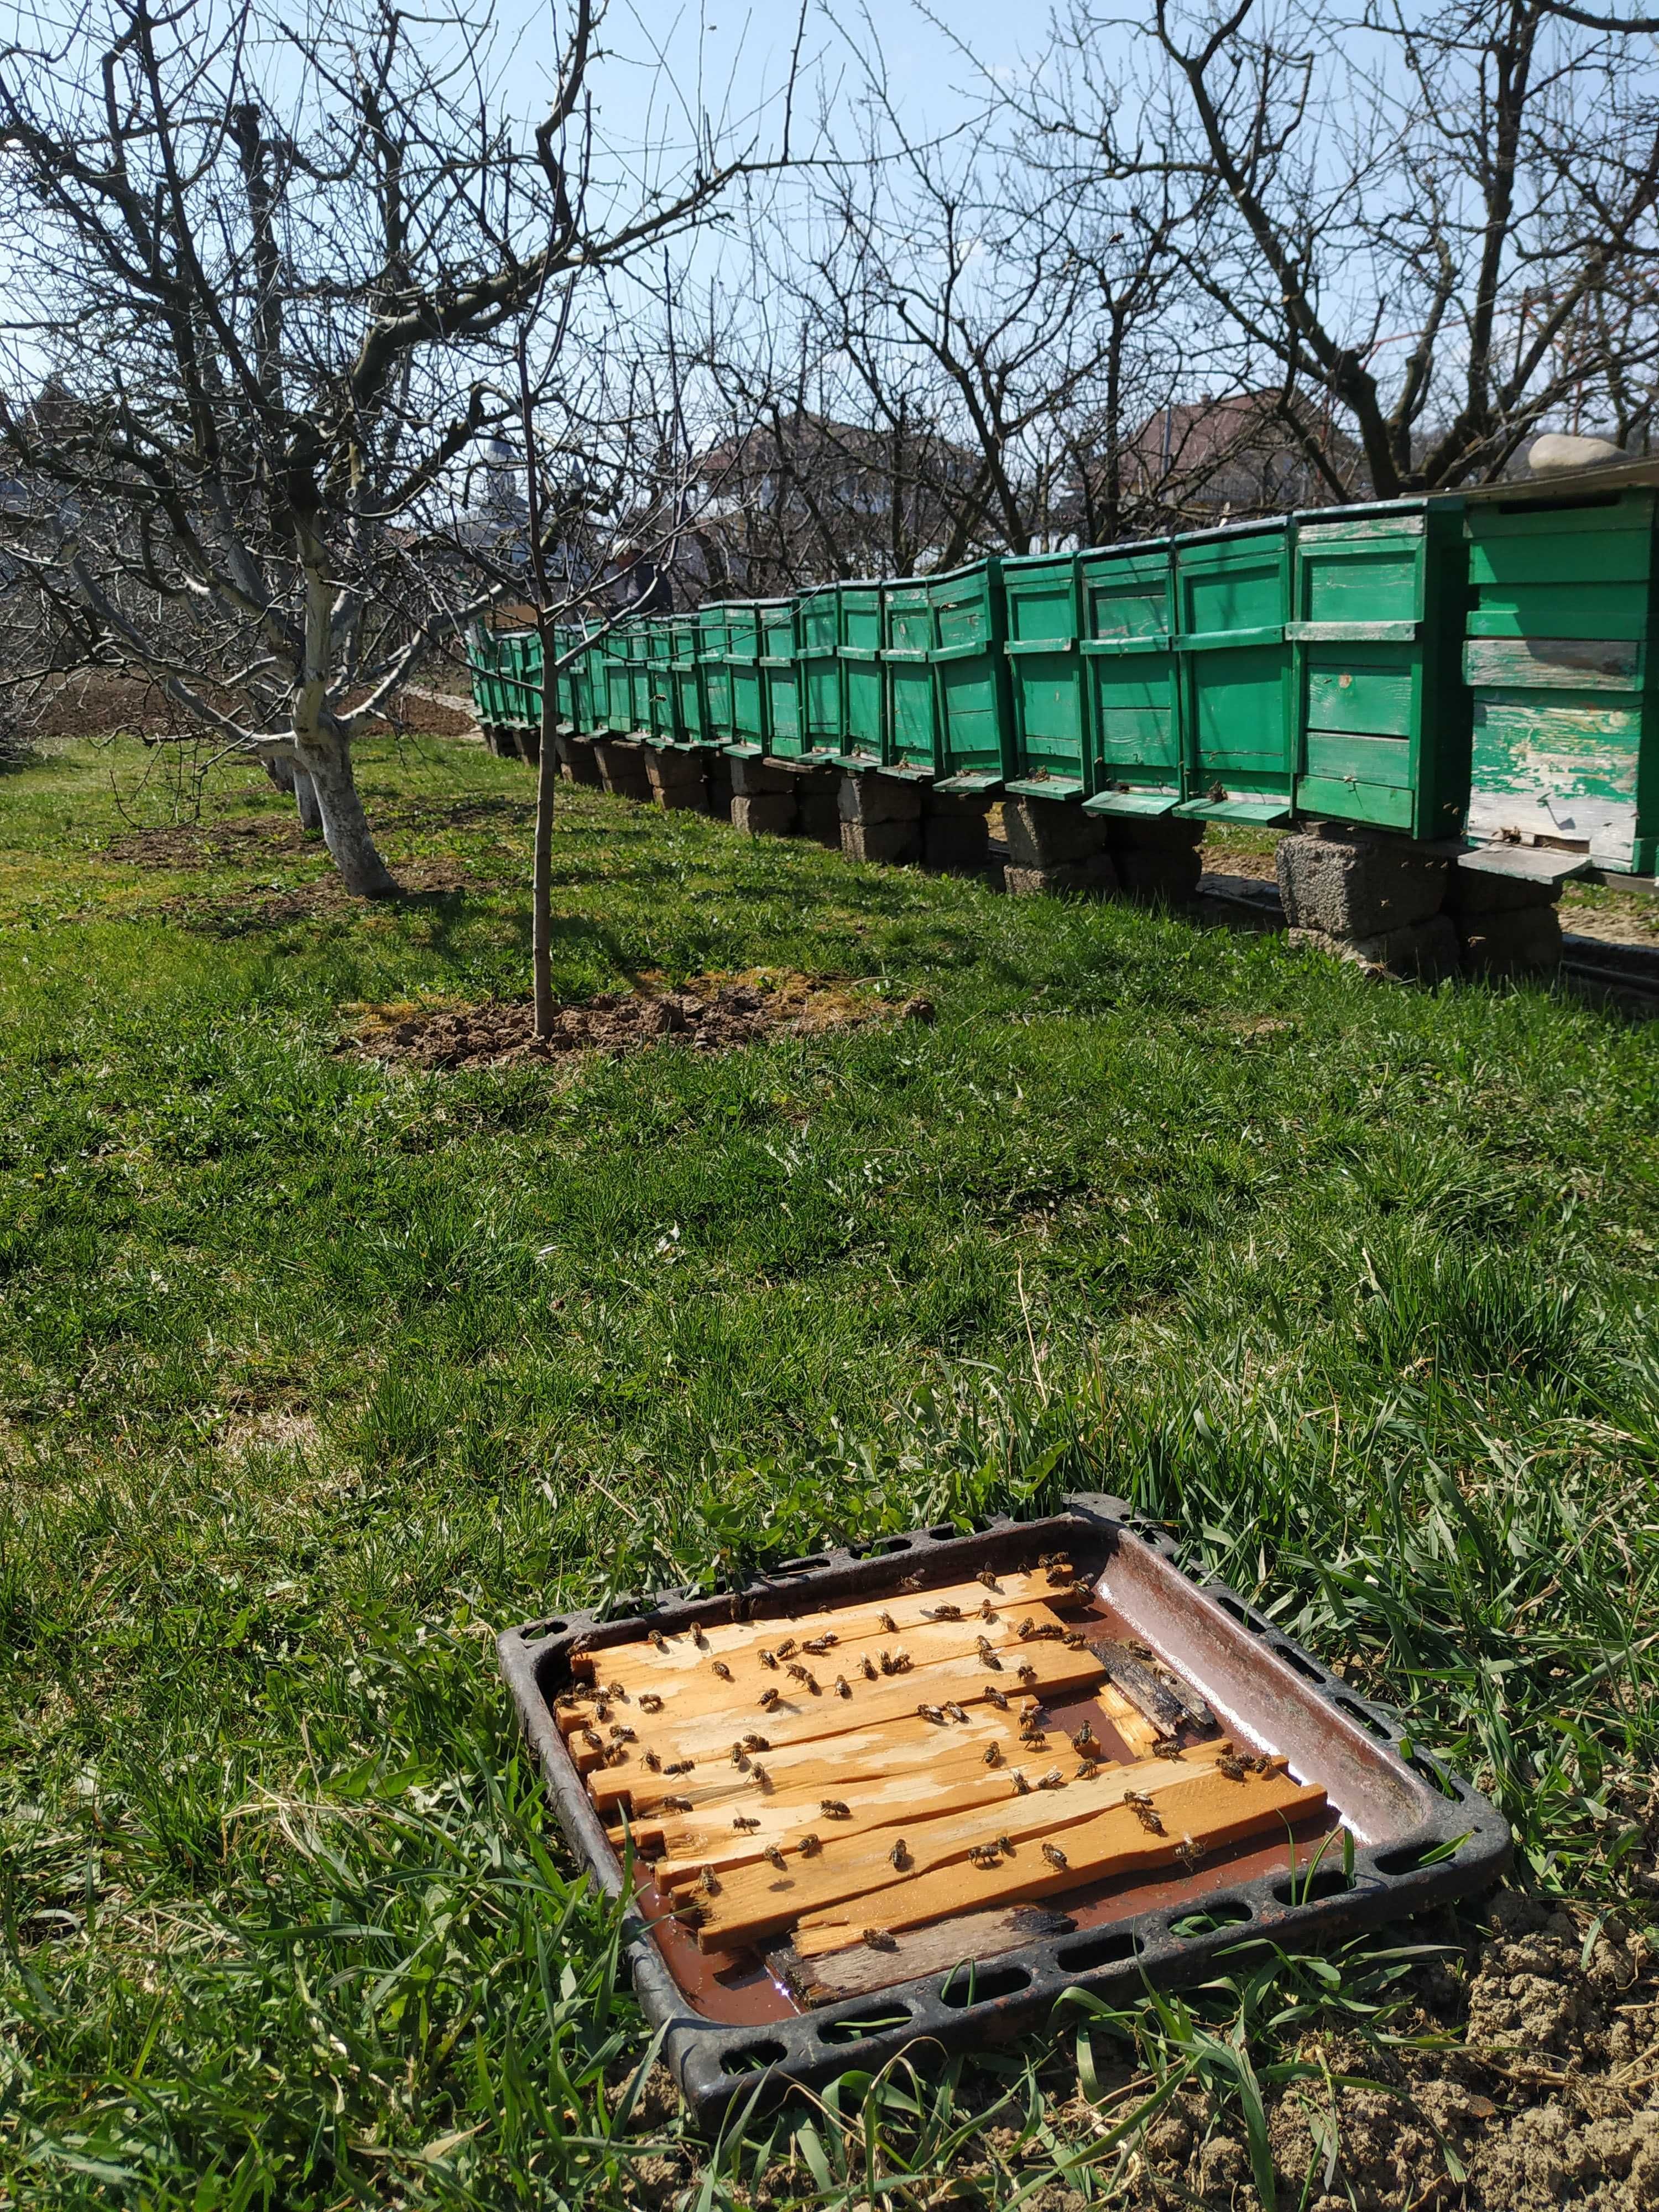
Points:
[97,704]
[712,1014]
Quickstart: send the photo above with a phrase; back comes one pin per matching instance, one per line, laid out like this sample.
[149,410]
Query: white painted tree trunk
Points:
[325,758]
[305,795]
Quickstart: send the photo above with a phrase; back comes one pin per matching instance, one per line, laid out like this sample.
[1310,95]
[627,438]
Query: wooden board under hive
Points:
[840,1781]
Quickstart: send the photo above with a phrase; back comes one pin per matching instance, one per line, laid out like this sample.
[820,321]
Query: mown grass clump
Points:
[313,1373]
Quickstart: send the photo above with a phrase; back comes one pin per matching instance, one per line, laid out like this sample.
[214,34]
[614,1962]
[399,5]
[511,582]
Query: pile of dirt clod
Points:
[710,1013]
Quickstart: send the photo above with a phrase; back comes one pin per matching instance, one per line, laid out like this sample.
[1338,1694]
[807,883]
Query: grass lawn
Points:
[313,1375]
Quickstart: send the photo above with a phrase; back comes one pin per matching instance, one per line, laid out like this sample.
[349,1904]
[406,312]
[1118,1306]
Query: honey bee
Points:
[707,1882]
[745,1824]
[622,1734]
[1074,1639]
[1166,1747]
[835,1808]
[1085,1743]
[617,1691]
[1022,1787]
[1259,1764]
[1054,1779]
[766,1658]
[592,1738]
[993,1755]
[887,1624]
[899,1857]
[1028,1672]
[867,1668]
[773,1856]
[653,1762]
[931,1713]
[941,1613]
[1190,1854]
[659,1640]
[911,1583]
[880,1939]
[617,1755]
[1230,1764]
[987,1610]
[739,1756]
[1054,1559]
[1005,1844]
[786,1649]
[721,1670]
[676,1804]
[602,1712]
[1027,1630]
[758,1774]
[1055,1856]
[769,1700]
[568,1700]
[1148,1819]
[895,1662]
[984,1855]
[698,1636]
[988,1654]
[752,1742]
[1087,1771]
[680,1766]
[995,1696]
[650,1701]
[1136,1798]
[798,1673]
[953,1712]
[1047,1632]
[843,1687]
[810,1847]
[989,1580]
[817,1645]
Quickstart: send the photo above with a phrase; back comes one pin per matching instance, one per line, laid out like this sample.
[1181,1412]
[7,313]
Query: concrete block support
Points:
[1508,924]
[1045,834]
[1093,877]
[767,814]
[760,779]
[818,794]
[870,798]
[894,842]
[1428,948]
[717,770]
[956,834]
[1354,884]
[623,768]
[576,761]
[677,783]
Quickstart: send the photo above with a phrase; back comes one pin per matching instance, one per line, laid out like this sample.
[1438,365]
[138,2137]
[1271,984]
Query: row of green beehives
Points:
[1417,667]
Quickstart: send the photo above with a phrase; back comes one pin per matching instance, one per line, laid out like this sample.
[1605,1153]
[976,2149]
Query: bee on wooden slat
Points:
[1167,1746]
[592,1738]
[766,1658]
[698,1636]
[843,1687]
[769,1700]
[621,1733]
[817,1645]
[1088,1770]
[658,1641]
[1055,1856]
[835,1808]
[708,1881]
[810,1847]
[680,1766]
[753,1742]
[797,1673]
[773,1856]
[722,1669]
[931,1713]
[617,1691]
[1074,1639]
[995,1696]
[653,1762]
[786,1649]
[1147,1816]
[1230,1764]
[1022,1787]
[941,1613]
[953,1712]
[739,1756]
[993,1755]
[1054,1779]
[602,1712]
[987,1652]
[1028,1672]
[989,1580]
[650,1701]
[987,1610]
[910,1583]
[1085,1743]
[1027,1630]
[1190,1854]
[868,1669]
[880,1939]
[758,1774]
[899,1856]
[676,1804]
[744,1823]
[617,1755]
[984,1855]
[887,1624]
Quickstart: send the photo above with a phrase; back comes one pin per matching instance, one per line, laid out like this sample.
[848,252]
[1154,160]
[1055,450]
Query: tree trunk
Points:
[305,794]
[325,758]
[541,887]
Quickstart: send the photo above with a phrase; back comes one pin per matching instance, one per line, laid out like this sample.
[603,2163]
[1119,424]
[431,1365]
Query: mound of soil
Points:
[712,1014]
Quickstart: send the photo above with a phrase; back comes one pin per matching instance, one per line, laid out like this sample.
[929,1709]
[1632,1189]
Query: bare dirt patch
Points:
[235,910]
[710,1013]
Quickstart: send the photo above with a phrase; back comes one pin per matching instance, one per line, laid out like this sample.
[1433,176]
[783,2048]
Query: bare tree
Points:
[269,262]
[1416,218]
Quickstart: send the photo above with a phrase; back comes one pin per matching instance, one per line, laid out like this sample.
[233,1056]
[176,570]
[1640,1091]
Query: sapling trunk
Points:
[541,889]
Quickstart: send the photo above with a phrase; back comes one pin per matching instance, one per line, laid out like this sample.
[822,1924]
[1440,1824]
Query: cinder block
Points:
[760,779]
[1525,942]
[1093,877]
[1043,834]
[872,797]
[623,767]
[1428,948]
[764,814]
[718,771]
[890,842]
[818,815]
[677,783]
[529,745]
[954,846]
[576,761]
[956,806]
[1348,884]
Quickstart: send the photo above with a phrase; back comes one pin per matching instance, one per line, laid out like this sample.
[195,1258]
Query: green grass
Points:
[312,1375]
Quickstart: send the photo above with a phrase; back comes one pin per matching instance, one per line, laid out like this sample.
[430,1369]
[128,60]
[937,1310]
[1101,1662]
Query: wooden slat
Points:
[824,1764]
[1211,1810]
[969,1938]
[691,1688]
[637,1665]
[759,1900]
[949,1775]
[1054,1671]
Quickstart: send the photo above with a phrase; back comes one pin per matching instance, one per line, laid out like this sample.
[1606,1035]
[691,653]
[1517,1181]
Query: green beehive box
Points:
[713,647]
[1383,716]
[637,637]
[481,660]
[818,631]
[587,687]
[524,661]
[663,724]
[907,659]
[743,660]
[781,677]
[971,687]
[691,720]
[1049,738]
[618,707]
[1565,749]
[1234,677]
[564,711]
[1130,678]
[864,736]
